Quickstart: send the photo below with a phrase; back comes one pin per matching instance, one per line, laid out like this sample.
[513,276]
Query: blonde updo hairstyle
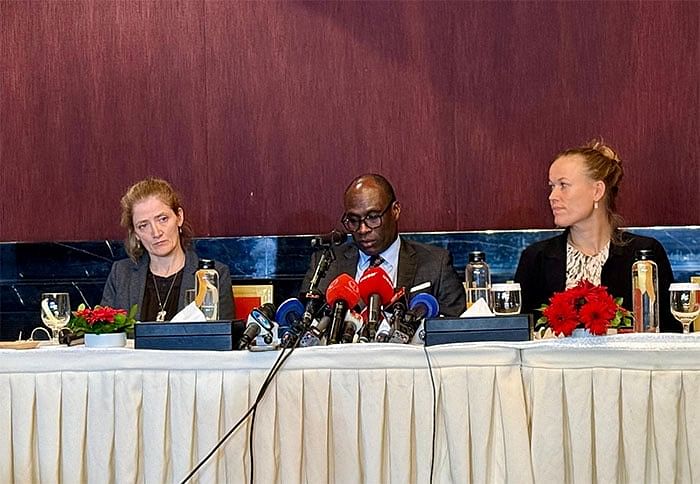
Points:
[603,164]
[140,191]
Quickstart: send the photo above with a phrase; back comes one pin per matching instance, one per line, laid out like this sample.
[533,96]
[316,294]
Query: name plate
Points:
[440,331]
[205,335]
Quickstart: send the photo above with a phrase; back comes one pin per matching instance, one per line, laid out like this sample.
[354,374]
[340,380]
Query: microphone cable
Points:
[434,432]
[254,409]
[273,371]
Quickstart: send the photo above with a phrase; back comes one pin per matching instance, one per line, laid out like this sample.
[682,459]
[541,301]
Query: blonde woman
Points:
[584,183]
[161,265]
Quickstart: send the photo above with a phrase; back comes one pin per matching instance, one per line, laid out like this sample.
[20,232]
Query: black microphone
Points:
[289,318]
[397,309]
[314,303]
[422,306]
[260,318]
[342,294]
[334,237]
[353,322]
[316,331]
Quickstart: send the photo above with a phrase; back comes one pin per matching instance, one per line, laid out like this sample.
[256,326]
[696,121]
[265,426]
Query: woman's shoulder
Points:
[125,264]
[637,241]
[124,268]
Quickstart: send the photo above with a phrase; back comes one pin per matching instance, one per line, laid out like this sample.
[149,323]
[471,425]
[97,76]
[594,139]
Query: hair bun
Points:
[605,150]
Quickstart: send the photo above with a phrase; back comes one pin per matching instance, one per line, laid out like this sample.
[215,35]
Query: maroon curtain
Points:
[261,112]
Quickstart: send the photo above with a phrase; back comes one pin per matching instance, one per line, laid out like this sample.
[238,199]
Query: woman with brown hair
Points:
[584,184]
[161,264]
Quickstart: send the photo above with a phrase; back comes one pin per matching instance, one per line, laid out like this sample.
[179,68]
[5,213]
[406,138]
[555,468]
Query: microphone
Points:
[313,336]
[376,289]
[260,319]
[289,317]
[397,307]
[342,294]
[422,306]
[314,303]
[353,322]
[334,237]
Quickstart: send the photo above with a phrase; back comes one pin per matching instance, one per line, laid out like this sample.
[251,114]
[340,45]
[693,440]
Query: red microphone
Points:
[342,294]
[376,289]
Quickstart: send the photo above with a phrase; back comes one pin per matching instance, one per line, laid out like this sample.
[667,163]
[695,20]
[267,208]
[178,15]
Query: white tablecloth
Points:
[349,413]
[614,409]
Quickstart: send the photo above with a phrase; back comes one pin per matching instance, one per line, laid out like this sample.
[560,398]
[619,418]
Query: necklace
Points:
[161,305]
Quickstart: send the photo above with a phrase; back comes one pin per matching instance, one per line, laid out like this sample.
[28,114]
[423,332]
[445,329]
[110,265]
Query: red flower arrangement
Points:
[102,319]
[583,306]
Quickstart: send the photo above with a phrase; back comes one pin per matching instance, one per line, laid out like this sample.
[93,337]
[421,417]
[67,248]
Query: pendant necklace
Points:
[161,305]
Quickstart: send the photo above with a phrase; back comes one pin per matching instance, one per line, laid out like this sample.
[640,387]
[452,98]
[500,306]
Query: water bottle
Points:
[207,289]
[478,278]
[645,291]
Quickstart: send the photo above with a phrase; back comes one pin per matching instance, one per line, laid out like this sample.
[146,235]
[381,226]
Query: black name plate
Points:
[206,335]
[440,331]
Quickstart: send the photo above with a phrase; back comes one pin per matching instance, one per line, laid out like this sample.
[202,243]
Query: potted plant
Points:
[582,309]
[103,326]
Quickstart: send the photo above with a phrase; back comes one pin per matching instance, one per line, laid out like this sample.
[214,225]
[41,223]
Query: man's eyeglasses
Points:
[371,220]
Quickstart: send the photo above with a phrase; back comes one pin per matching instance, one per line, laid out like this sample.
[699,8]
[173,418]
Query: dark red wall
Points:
[262,112]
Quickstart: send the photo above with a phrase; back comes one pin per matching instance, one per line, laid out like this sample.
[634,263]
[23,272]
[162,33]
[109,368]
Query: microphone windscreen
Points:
[375,280]
[343,288]
[425,304]
[289,312]
[334,237]
[268,309]
[259,315]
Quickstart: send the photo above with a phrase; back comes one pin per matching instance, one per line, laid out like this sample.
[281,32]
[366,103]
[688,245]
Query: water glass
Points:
[55,312]
[685,303]
[506,298]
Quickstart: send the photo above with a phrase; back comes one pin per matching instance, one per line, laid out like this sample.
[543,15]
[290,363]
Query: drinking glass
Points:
[685,303]
[506,298]
[55,312]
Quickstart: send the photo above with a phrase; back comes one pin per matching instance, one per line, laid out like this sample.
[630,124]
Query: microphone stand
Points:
[313,295]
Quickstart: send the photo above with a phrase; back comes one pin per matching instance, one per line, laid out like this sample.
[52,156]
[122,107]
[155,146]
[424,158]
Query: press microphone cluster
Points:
[388,316]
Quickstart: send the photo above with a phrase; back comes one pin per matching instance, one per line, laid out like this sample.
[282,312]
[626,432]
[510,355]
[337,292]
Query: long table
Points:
[610,409]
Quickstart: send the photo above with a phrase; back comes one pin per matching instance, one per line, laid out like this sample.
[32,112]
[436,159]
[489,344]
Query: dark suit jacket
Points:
[542,272]
[127,282]
[418,263]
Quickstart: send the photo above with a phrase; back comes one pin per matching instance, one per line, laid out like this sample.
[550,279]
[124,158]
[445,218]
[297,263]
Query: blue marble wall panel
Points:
[81,268]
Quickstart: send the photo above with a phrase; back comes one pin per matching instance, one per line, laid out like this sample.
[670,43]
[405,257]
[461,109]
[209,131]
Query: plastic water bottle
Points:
[478,278]
[645,291]
[207,289]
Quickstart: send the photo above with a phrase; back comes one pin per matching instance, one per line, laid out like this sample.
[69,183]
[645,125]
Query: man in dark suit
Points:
[371,216]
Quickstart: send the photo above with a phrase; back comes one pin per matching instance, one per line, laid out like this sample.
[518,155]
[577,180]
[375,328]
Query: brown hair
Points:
[140,191]
[603,164]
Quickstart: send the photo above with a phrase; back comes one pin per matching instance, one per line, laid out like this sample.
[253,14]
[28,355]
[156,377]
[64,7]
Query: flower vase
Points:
[105,340]
[581,333]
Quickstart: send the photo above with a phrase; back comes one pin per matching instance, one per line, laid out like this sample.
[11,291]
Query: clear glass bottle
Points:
[207,289]
[645,290]
[478,279]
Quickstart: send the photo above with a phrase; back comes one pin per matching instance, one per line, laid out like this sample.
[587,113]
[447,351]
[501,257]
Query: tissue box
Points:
[494,328]
[205,335]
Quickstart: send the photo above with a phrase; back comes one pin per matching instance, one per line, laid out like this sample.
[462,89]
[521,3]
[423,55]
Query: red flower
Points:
[102,319]
[561,314]
[101,314]
[583,305]
[595,316]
